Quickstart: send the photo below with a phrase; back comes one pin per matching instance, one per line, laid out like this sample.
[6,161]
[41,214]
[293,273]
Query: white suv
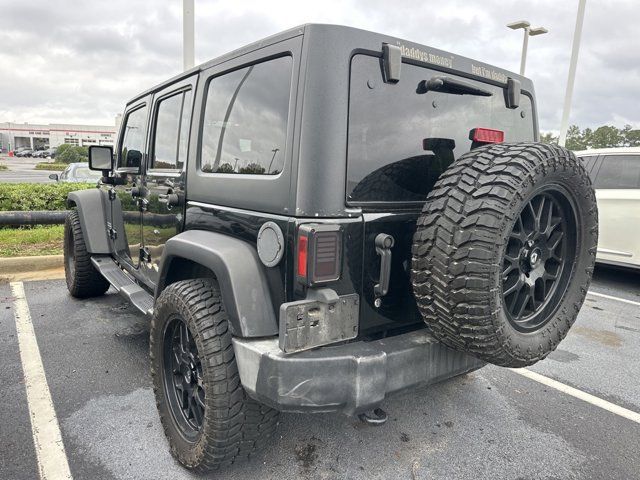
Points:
[616,177]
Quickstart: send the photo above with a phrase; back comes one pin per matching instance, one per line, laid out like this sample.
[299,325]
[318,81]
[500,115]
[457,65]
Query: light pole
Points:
[577,34]
[528,32]
[188,56]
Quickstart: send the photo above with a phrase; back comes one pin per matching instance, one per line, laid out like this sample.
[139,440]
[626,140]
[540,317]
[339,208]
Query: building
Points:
[39,136]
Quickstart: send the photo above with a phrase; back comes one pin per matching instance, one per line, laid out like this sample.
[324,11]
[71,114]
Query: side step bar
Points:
[122,282]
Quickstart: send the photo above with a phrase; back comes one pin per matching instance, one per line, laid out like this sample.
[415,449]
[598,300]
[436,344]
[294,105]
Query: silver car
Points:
[77,172]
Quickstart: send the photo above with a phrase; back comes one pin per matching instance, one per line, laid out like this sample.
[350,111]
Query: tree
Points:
[631,137]
[225,168]
[605,137]
[67,153]
[548,138]
[253,168]
[575,139]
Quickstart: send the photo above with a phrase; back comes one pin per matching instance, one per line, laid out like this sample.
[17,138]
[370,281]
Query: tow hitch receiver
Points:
[375,417]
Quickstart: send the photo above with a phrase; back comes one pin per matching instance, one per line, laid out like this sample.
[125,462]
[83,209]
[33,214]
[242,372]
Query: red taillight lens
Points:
[486,135]
[319,254]
[303,255]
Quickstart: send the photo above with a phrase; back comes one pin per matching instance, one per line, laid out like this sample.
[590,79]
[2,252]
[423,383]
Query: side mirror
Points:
[54,176]
[100,157]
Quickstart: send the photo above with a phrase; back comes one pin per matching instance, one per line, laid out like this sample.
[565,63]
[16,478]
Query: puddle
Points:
[604,337]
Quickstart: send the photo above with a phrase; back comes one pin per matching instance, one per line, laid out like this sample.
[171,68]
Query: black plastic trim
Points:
[92,208]
[239,273]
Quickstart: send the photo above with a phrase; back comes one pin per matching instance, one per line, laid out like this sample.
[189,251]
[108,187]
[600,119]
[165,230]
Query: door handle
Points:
[171,199]
[384,244]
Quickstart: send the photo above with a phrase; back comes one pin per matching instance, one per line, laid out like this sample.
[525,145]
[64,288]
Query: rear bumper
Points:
[348,378]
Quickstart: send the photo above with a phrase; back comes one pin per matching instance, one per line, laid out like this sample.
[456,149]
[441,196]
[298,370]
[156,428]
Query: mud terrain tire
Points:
[83,280]
[504,251]
[230,425]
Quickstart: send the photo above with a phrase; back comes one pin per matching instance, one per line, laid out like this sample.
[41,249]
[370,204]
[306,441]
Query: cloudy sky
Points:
[78,62]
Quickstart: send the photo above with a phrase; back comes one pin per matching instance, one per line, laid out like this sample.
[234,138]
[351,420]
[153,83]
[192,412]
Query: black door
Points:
[125,226]
[164,179]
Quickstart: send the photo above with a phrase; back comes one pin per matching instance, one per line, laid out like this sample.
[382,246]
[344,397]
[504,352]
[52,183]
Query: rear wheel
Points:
[208,418]
[83,280]
[504,251]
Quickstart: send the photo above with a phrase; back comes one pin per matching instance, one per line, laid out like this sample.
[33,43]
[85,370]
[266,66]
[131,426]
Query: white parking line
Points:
[574,392]
[623,300]
[52,459]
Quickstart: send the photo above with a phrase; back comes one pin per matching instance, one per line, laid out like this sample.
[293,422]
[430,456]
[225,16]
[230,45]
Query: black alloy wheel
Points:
[504,251]
[183,378]
[538,259]
[208,418]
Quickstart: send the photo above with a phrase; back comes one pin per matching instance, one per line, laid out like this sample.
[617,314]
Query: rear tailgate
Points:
[402,136]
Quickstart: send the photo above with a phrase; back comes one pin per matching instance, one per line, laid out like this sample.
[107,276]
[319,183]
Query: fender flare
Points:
[240,275]
[92,207]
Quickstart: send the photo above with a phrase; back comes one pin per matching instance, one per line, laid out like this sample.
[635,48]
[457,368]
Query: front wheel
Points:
[83,280]
[208,418]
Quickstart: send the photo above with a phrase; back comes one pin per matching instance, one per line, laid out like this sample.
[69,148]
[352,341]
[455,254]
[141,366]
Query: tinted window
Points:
[619,171]
[245,120]
[588,162]
[133,148]
[172,131]
[401,140]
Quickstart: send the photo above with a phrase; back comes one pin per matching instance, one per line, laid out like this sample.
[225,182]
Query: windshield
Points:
[402,138]
[84,172]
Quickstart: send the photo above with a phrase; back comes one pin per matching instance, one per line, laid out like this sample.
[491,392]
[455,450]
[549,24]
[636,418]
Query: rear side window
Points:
[400,140]
[618,171]
[588,162]
[133,139]
[245,119]
[172,131]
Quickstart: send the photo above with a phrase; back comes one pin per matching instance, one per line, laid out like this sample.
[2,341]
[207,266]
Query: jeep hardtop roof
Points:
[358,39]
[312,183]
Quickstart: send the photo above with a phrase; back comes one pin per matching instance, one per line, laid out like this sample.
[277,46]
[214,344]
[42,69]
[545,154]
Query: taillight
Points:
[486,135]
[319,254]
[303,243]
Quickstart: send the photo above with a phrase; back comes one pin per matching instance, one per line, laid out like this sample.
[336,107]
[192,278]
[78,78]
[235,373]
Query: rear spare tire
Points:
[504,251]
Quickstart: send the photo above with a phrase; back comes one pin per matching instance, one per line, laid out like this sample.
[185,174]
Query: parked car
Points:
[23,153]
[41,153]
[50,152]
[77,172]
[615,173]
[326,217]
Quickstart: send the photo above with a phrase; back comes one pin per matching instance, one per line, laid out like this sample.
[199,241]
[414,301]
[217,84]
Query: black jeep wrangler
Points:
[323,218]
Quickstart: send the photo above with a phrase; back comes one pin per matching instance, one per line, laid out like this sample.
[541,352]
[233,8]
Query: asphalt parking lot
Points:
[493,423]
[22,170]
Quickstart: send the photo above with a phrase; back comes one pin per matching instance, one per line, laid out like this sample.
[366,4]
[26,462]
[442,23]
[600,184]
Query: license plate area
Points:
[325,319]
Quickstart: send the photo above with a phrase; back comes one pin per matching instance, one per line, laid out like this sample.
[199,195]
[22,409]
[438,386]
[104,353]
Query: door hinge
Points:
[113,234]
[145,256]
[112,194]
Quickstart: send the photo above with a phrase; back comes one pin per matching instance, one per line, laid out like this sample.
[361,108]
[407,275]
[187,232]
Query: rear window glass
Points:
[618,171]
[391,124]
[245,119]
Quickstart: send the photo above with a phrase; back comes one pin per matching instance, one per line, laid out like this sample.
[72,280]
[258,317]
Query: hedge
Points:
[37,196]
[51,166]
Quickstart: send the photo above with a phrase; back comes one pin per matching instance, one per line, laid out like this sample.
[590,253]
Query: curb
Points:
[15,265]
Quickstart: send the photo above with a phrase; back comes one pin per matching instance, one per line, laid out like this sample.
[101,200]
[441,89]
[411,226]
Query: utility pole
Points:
[577,34]
[188,55]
